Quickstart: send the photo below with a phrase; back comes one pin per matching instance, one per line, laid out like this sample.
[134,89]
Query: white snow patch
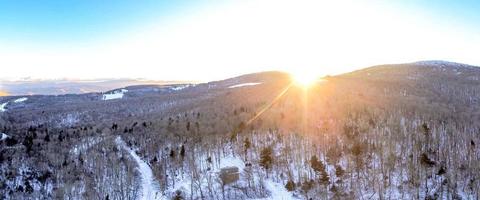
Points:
[149,186]
[69,119]
[85,144]
[231,161]
[277,191]
[180,185]
[244,84]
[20,100]
[4,136]
[181,87]
[2,107]
[117,94]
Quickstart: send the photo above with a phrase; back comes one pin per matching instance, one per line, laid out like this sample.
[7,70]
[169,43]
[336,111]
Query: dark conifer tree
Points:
[266,158]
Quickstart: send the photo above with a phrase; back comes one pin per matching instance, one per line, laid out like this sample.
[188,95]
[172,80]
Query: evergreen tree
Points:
[28,187]
[178,196]
[426,161]
[425,129]
[28,143]
[266,158]
[319,169]
[172,153]
[290,186]
[324,177]
[182,151]
[246,145]
[316,165]
[339,172]
[47,138]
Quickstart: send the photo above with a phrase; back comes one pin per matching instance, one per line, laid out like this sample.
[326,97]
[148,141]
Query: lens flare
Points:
[304,79]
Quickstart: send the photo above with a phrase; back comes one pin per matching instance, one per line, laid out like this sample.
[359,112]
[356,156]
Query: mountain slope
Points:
[407,131]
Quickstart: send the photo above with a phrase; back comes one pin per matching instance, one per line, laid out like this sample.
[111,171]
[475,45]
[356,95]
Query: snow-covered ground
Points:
[2,107]
[69,119]
[231,161]
[277,191]
[441,63]
[150,190]
[243,85]
[3,136]
[20,100]
[180,87]
[117,94]
[85,144]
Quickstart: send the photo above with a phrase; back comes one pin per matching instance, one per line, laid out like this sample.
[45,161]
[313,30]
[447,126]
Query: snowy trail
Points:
[2,107]
[149,186]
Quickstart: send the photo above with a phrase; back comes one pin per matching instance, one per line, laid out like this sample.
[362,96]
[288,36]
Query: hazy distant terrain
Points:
[407,131]
[57,87]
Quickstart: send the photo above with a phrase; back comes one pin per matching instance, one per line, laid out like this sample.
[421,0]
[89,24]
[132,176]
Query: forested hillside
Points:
[408,131]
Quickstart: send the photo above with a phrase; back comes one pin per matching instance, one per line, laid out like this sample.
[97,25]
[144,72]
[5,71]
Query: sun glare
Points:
[304,79]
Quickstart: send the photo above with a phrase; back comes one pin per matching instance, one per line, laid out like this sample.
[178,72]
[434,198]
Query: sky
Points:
[207,40]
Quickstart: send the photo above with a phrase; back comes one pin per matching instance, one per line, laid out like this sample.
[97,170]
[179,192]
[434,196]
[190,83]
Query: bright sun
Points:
[304,79]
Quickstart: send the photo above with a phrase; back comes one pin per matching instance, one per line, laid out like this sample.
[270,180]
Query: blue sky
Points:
[461,12]
[207,40]
[60,21]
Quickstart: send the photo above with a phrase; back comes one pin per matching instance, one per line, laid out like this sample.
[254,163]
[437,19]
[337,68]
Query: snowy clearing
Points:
[243,85]
[117,94]
[277,191]
[20,100]
[181,87]
[2,107]
[149,186]
[4,136]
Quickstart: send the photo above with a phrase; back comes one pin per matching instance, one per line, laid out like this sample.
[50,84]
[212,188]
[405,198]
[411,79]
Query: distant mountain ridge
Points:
[59,87]
[442,63]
